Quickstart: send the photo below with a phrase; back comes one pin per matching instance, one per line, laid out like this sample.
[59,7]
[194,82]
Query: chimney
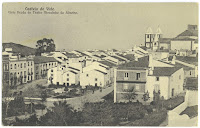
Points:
[151,70]
[150,60]
[173,60]
[136,58]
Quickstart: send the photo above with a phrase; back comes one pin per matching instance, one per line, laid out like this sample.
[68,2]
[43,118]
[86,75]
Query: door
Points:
[67,84]
[95,84]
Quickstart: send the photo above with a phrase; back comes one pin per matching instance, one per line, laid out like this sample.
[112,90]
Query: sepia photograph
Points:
[100,64]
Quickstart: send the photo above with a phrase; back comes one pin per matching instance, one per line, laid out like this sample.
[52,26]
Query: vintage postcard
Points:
[100,64]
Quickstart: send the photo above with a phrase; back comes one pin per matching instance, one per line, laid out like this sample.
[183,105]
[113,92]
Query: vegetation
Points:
[45,45]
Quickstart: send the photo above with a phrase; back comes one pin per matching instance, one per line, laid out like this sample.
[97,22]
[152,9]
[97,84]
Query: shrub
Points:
[153,119]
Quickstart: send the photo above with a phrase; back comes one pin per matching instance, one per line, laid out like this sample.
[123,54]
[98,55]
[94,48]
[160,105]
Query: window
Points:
[21,65]
[28,63]
[52,64]
[24,65]
[95,79]
[126,75]
[179,77]
[157,78]
[147,36]
[31,63]
[67,74]
[15,66]
[190,73]
[67,79]
[137,76]
[10,66]
[51,70]
[87,75]
[24,73]
[52,75]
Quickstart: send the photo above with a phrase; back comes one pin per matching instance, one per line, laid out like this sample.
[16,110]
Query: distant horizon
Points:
[96,25]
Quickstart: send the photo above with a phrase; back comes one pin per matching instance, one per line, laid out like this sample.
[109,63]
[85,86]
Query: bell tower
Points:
[149,38]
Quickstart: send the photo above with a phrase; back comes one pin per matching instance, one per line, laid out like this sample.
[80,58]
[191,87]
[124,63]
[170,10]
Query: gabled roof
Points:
[83,54]
[100,71]
[120,59]
[164,71]
[74,68]
[165,40]
[142,62]
[73,72]
[127,56]
[183,38]
[189,33]
[43,59]
[183,66]
[187,59]
[70,55]
[107,63]
[143,47]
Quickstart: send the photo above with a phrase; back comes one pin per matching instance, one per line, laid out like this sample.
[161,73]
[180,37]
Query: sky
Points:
[96,25]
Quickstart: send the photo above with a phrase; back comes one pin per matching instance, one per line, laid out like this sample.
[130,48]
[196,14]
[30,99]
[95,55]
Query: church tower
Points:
[159,32]
[149,38]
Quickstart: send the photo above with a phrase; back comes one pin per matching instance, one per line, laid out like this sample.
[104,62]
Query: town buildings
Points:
[42,65]
[168,81]
[16,69]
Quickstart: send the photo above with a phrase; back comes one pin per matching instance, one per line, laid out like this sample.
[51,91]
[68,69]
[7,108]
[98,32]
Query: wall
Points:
[174,117]
[163,84]
[194,100]
[176,82]
[184,45]
[90,79]
[131,75]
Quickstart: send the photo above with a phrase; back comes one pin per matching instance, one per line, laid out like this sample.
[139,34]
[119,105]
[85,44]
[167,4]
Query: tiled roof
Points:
[164,71]
[183,38]
[120,59]
[142,62]
[192,83]
[189,33]
[74,68]
[143,47]
[107,63]
[71,55]
[187,59]
[101,71]
[183,66]
[73,72]
[83,54]
[44,59]
[165,40]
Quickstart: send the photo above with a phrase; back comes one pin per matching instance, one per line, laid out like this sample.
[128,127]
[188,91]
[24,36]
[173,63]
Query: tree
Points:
[45,45]
[146,96]
[130,94]
[62,114]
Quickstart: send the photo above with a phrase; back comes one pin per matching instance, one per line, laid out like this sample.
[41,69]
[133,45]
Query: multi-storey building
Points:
[131,77]
[42,65]
[17,70]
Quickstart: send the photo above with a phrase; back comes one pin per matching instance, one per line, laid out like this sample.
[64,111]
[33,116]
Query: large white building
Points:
[63,75]
[168,80]
[97,74]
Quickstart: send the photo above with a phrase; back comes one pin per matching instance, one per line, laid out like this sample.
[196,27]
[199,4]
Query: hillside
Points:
[18,48]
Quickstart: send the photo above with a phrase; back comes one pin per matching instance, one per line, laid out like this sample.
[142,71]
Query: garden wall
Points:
[174,117]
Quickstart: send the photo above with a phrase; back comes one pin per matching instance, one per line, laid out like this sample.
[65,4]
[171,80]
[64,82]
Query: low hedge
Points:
[170,103]
[153,119]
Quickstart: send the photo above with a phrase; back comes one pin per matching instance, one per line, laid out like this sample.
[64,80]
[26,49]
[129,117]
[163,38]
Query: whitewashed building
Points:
[168,80]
